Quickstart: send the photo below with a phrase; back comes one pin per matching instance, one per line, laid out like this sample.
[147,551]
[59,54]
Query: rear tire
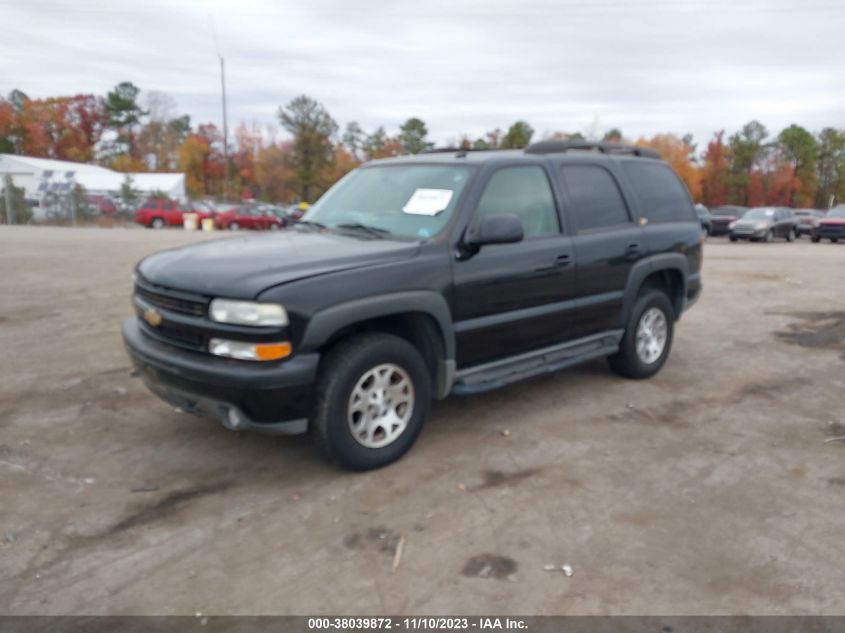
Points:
[234,226]
[733,238]
[351,398]
[631,361]
[815,239]
[157,223]
[834,240]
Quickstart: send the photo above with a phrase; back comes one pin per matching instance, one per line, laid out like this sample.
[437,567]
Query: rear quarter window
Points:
[662,195]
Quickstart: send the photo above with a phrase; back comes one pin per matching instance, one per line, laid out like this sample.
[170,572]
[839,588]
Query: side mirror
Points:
[505,228]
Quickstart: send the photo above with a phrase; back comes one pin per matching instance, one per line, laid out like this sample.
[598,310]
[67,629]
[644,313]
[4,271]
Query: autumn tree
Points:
[312,150]
[746,149]
[273,173]
[412,135]
[162,134]
[830,167]
[714,173]
[519,135]
[677,152]
[798,148]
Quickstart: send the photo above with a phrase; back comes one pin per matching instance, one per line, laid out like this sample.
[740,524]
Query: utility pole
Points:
[225,130]
[7,182]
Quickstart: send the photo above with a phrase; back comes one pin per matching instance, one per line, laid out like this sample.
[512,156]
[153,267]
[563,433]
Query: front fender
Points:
[323,325]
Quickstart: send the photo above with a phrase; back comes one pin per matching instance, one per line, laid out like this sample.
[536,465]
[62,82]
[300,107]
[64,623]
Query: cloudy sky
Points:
[464,66]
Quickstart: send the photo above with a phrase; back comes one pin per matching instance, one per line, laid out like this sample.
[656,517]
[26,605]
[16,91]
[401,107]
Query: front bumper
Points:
[827,231]
[748,233]
[271,397]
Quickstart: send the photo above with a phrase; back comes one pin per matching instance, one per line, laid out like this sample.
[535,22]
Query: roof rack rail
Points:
[556,147]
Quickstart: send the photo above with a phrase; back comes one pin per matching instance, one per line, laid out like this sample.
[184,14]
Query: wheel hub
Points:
[652,331]
[380,406]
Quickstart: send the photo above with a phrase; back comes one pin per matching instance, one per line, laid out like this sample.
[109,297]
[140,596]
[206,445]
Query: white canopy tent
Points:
[37,176]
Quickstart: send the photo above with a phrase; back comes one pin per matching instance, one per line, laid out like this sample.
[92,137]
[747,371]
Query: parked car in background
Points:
[704,218]
[764,224]
[157,213]
[721,217]
[247,217]
[101,205]
[806,219]
[831,226]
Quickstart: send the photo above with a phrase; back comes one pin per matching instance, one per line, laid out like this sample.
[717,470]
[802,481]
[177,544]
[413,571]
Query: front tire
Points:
[648,335]
[815,239]
[373,397]
[234,226]
[790,237]
[733,238]
[157,223]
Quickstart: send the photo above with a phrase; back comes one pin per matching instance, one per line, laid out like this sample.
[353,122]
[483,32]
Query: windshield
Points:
[759,214]
[838,212]
[409,201]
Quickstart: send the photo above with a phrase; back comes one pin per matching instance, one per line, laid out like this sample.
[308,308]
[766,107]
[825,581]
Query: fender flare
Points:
[653,264]
[324,324]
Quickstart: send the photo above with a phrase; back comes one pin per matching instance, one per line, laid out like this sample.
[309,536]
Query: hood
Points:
[753,222]
[832,221]
[243,267]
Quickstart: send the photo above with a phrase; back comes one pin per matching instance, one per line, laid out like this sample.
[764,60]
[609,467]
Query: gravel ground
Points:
[710,489]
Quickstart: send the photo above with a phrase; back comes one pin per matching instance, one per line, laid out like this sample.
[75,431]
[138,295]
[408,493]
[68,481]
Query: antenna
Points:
[225,118]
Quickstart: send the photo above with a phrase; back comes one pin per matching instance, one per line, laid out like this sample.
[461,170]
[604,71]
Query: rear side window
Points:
[596,200]
[662,194]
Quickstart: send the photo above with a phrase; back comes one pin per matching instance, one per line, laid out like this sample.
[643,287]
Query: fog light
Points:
[243,350]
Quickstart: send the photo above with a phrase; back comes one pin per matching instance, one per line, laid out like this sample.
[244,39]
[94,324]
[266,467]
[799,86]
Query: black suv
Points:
[418,277]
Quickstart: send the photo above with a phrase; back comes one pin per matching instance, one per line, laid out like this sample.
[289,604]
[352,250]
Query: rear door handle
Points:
[562,260]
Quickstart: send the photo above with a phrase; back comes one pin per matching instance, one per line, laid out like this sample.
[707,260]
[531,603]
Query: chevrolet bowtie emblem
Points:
[152,317]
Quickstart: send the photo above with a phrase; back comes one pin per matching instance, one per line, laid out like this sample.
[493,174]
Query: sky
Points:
[463,66]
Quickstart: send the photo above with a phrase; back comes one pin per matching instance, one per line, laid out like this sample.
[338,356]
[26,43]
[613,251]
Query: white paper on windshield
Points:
[428,201]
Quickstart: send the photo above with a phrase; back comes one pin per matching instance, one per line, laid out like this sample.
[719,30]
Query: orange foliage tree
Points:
[677,152]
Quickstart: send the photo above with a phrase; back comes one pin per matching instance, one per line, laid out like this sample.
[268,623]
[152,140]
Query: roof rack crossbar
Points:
[557,147]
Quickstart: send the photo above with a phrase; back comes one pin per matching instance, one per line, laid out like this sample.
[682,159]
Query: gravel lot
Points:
[710,489]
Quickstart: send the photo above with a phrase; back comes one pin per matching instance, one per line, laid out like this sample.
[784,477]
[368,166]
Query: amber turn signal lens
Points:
[272,351]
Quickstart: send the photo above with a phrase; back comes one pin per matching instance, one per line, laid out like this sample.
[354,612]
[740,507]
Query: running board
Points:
[542,361]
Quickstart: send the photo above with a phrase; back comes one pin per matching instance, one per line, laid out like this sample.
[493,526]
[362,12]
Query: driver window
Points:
[525,192]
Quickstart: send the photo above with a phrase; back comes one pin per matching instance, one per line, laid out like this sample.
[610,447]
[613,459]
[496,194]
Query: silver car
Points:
[764,224]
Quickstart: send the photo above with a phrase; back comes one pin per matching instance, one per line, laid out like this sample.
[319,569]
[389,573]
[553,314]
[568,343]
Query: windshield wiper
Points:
[366,228]
[310,224]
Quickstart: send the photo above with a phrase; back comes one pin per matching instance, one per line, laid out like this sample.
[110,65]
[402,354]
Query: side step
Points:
[499,373]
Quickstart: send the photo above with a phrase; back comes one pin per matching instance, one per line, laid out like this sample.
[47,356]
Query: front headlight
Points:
[247,313]
[731,225]
[761,226]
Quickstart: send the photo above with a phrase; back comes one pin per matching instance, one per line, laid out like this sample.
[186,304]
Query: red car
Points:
[157,213]
[245,217]
[831,226]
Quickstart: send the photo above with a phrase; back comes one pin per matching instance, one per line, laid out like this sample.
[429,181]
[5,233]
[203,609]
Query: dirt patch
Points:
[760,276]
[835,429]
[500,479]
[816,330]
[672,413]
[490,566]
[836,481]
[166,505]
[379,538]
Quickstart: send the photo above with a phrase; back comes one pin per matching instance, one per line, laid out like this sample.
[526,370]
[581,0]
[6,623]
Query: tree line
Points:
[131,132]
